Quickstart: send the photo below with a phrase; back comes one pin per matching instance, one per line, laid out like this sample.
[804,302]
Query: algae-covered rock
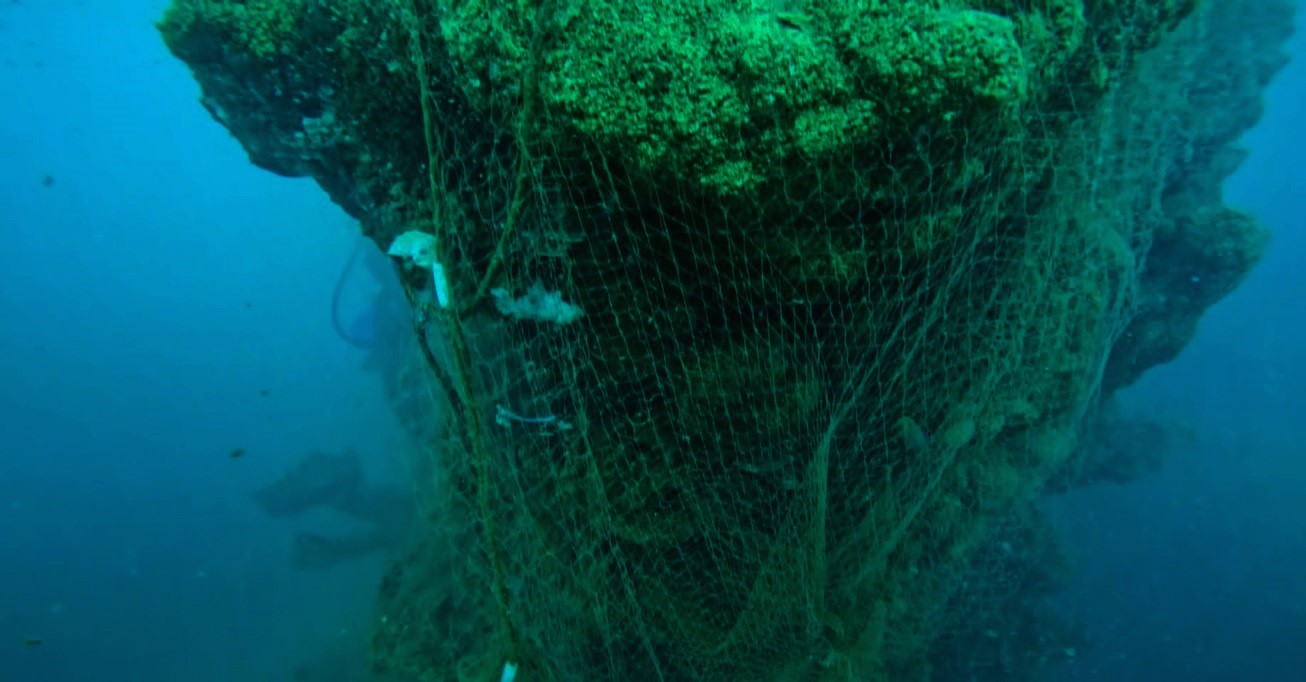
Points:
[855,274]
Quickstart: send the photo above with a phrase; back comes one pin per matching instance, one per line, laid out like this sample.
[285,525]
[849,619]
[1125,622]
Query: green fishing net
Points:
[751,328]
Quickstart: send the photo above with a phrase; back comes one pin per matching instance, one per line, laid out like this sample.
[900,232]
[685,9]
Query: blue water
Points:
[160,285]
[1198,573]
[147,299]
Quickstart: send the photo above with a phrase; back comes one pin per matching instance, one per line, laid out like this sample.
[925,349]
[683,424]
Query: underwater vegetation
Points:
[845,283]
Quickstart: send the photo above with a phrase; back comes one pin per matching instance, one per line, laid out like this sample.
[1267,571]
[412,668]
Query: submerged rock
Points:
[854,275]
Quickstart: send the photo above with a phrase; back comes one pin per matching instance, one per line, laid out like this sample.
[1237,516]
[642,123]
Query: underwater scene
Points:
[652,340]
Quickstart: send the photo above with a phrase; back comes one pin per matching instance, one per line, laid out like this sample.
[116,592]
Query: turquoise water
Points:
[164,304]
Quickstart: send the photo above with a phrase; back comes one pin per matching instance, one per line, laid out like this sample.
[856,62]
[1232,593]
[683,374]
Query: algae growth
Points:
[855,278]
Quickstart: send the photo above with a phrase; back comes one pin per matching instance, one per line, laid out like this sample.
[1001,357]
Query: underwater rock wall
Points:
[848,279]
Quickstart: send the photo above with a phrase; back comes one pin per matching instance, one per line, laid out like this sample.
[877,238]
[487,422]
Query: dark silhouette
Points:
[322,480]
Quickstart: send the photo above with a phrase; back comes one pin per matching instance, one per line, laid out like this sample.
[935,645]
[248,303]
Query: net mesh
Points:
[762,317]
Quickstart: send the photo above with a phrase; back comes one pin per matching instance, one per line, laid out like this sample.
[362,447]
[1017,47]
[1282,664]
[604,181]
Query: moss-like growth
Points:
[751,93]
[263,28]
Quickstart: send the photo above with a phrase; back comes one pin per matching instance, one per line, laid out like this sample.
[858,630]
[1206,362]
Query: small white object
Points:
[506,418]
[441,285]
[538,305]
[509,672]
[419,248]
[416,246]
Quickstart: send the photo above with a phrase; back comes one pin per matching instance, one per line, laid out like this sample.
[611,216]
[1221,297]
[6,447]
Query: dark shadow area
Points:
[383,516]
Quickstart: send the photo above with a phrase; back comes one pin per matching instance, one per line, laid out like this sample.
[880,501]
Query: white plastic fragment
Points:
[537,304]
[441,285]
[416,246]
[506,418]
[509,672]
[419,248]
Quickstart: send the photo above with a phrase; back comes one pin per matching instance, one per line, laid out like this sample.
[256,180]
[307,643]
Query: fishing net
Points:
[751,327]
